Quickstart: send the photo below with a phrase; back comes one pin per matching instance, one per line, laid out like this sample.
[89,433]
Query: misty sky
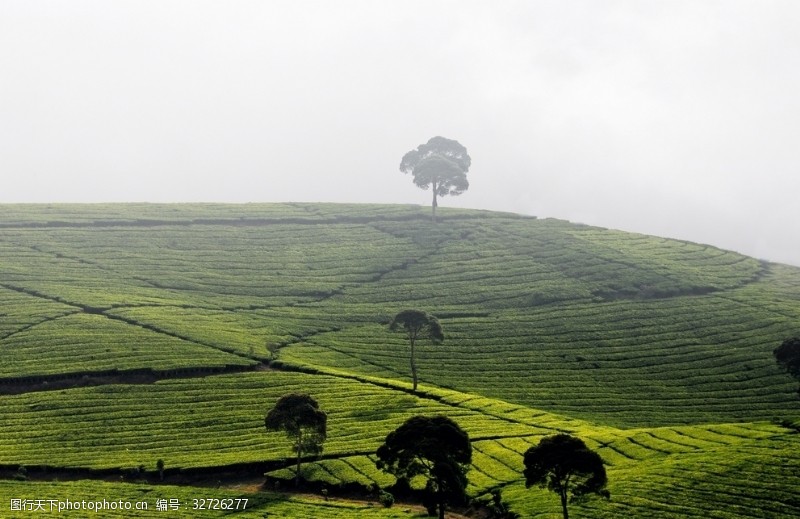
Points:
[673,118]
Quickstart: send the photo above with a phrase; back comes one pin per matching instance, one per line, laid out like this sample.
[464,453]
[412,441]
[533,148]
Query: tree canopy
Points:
[303,421]
[434,447]
[418,325]
[565,465]
[440,164]
[787,356]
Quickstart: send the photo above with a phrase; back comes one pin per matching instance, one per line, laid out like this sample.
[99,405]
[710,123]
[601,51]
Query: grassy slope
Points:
[612,328]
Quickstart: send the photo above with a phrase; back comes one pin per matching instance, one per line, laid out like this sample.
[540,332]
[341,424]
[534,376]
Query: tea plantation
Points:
[133,333]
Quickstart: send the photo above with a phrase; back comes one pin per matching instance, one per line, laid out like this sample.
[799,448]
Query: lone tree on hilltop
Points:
[565,465]
[417,325]
[788,356]
[441,164]
[303,421]
[436,448]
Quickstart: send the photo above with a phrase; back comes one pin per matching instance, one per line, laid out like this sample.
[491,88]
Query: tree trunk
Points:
[564,503]
[434,202]
[299,454]
[441,510]
[413,366]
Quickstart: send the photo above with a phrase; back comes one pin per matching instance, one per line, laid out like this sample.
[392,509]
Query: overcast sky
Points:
[674,118]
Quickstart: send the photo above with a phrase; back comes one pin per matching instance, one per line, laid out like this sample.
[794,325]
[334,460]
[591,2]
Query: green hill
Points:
[137,332]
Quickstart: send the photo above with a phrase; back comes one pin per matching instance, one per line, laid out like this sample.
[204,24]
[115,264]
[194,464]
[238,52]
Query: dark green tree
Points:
[436,448]
[303,421]
[565,465]
[788,356]
[440,164]
[417,325]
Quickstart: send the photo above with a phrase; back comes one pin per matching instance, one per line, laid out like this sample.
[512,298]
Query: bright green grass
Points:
[603,327]
[21,311]
[230,287]
[681,360]
[389,261]
[80,343]
[520,263]
[209,421]
[746,478]
[245,331]
[727,471]
[206,265]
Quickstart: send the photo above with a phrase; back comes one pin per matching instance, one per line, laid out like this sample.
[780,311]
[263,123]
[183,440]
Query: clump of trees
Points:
[565,465]
[433,447]
[417,325]
[439,451]
[303,421]
[440,164]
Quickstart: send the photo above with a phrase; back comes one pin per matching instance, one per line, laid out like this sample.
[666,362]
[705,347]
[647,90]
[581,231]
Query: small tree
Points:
[441,164]
[787,356]
[498,508]
[160,468]
[417,325]
[386,499]
[434,447]
[300,417]
[565,465]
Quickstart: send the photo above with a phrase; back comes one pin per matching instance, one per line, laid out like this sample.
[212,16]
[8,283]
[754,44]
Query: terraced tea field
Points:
[133,333]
